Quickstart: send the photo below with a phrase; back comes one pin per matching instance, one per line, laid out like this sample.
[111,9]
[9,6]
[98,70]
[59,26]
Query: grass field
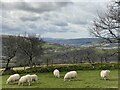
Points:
[85,79]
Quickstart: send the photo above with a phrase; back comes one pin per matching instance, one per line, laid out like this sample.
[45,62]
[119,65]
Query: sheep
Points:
[56,73]
[70,75]
[34,77]
[26,78]
[13,78]
[104,74]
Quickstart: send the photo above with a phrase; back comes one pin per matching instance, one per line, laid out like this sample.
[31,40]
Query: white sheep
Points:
[56,73]
[34,77]
[70,75]
[13,78]
[24,79]
[104,74]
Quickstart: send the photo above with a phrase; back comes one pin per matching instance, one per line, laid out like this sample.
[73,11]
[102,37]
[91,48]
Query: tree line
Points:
[29,51]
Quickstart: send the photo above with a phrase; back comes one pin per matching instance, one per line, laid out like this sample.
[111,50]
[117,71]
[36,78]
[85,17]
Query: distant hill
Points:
[74,42]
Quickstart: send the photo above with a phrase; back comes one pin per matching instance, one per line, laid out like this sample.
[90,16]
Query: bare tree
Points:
[31,47]
[21,60]
[107,25]
[9,49]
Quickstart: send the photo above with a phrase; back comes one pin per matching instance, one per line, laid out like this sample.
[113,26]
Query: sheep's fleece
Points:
[69,75]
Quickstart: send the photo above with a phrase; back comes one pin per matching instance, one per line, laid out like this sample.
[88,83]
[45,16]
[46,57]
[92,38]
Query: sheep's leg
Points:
[29,84]
[105,78]
[18,83]
[9,82]
[58,76]
[6,82]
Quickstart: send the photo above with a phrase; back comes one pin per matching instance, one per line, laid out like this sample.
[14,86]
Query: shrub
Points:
[83,66]
[8,72]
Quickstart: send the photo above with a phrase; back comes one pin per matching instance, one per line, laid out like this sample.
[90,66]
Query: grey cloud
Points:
[59,23]
[32,26]
[32,18]
[36,7]
[9,30]
[53,29]
[80,22]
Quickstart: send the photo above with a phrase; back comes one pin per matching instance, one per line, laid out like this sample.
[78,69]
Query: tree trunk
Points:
[52,62]
[47,62]
[74,60]
[34,64]
[6,67]
[105,60]
[101,60]
[89,60]
[30,61]
[24,67]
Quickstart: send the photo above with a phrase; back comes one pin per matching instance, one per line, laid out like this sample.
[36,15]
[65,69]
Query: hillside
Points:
[74,42]
[82,42]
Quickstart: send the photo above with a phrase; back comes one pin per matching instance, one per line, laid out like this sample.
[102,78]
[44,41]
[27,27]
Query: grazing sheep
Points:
[56,73]
[70,75]
[104,74]
[34,77]
[13,78]
[26,78]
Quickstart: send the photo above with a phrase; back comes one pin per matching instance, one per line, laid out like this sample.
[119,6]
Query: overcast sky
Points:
[50,19]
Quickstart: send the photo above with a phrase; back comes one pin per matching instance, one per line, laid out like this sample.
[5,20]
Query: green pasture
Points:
[85,79]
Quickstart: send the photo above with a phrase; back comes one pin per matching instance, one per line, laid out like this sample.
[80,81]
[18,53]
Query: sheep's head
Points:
[108,71]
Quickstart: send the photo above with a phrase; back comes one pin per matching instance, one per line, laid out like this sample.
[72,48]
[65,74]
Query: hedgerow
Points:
[83,66]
